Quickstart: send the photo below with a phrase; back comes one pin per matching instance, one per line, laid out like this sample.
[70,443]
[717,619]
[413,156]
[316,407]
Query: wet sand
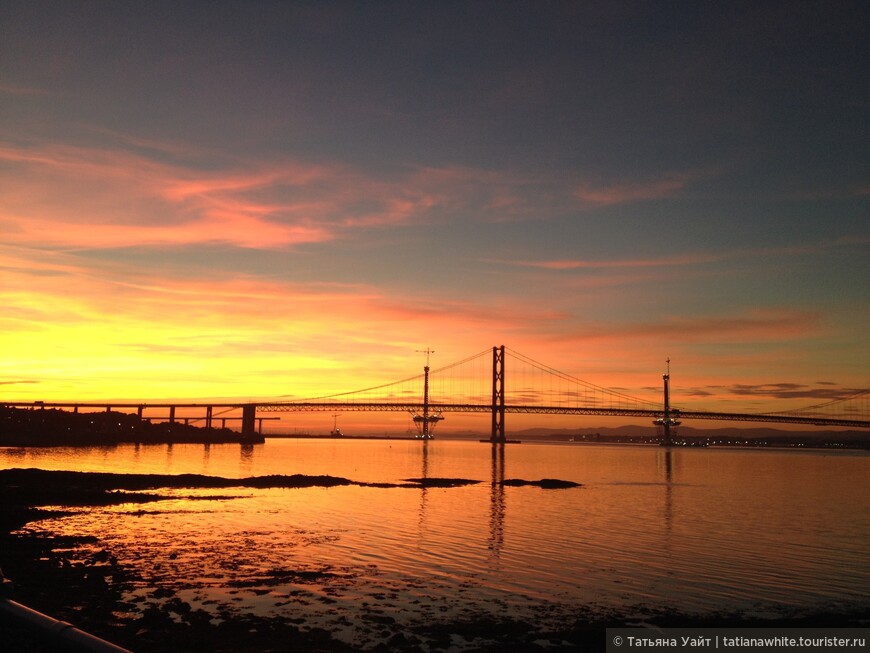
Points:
[89,590]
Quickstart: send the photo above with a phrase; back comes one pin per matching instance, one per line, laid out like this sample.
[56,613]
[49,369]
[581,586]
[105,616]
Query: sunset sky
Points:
[265,199]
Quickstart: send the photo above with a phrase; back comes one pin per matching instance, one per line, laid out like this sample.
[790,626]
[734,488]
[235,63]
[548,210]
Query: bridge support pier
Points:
[497,435]
[249,421]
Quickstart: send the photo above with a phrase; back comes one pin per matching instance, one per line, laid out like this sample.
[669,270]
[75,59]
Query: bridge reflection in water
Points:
[497,502]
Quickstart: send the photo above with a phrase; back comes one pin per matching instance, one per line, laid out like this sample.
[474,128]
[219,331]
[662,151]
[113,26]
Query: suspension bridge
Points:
[502,381]
[498,381]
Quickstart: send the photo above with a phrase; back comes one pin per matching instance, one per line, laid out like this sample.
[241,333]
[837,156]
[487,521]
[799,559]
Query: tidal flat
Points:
[78,580]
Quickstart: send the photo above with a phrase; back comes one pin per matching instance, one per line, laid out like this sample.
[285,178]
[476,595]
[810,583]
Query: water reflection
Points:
[497,502]
[246,462]
[424,474]
[762,518]
[15,453]
[665,463]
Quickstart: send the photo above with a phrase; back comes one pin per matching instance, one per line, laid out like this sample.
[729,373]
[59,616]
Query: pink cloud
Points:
[136,192]
[238,229]
[70,196]
[100,198]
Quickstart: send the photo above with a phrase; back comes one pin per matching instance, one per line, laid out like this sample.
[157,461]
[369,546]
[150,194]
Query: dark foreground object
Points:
[30,624]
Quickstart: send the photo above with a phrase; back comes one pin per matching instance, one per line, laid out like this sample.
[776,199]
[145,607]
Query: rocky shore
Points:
[90,590]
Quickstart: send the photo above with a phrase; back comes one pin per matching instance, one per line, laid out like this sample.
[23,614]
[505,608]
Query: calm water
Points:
[704,531]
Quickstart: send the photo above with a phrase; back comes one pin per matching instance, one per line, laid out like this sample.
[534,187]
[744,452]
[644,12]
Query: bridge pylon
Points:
[497,436]
[670,418]
[426,422]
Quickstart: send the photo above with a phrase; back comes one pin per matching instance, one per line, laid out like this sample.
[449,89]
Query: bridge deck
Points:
[560,410]
[817,420]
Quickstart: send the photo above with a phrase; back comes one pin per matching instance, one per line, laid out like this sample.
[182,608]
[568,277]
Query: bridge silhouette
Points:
[498,381]
[501,381]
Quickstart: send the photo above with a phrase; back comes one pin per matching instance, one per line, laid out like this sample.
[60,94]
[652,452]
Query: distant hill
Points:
[760,436]
[690,432]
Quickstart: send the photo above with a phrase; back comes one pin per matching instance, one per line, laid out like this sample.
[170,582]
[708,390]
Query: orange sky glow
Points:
[174,230]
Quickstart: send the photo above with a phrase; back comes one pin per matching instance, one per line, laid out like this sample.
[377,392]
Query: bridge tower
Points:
[497,435]
[426,422]
[666,422]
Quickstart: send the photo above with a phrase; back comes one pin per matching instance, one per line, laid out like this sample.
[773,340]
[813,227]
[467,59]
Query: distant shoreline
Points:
[20,427]
[785,443]
[50,427]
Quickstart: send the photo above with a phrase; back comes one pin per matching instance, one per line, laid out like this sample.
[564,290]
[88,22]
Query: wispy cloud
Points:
[789,391]
[585,264]
[606,193]
[110,198]
[12,89]
[828,391]
[699,258]
[141,193]
[130,191]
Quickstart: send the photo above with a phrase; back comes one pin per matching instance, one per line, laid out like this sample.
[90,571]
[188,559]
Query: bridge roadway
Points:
[558,410]
[249,410]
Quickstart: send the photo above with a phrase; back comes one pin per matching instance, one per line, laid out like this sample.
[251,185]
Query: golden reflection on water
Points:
[695,531]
